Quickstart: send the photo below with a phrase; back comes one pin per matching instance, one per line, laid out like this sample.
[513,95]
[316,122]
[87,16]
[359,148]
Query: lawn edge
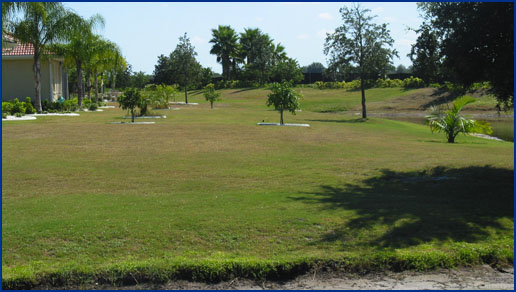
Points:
[216,270]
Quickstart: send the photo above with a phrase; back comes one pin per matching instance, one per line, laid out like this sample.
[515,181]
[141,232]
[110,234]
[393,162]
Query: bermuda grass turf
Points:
[208,195]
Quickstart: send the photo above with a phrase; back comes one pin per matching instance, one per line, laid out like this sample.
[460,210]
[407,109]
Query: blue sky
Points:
[146,30]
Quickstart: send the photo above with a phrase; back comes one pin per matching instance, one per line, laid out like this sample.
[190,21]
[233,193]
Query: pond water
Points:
[503,128]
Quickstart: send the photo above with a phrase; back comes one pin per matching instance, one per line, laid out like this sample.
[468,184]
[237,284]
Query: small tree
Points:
[185,68]
[211,94]
[284,98]
[130,100]
[452,123]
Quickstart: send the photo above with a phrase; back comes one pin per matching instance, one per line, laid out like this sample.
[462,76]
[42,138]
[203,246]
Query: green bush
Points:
[29,108]
[4,115]
[18,115]
[70,105]
[388,83]
[18,107]
[353,85]
[413,82]
[7,107]
[93,106]
[480,85]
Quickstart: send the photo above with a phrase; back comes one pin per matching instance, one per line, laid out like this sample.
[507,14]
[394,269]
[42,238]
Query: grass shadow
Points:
[243,90]
[359,120]
[403,209]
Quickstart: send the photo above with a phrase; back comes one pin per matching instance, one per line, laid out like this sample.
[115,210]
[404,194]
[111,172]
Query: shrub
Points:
[353,85]
[4,115]
[413,82]
[18,107]
[70,104]
[18,115]
[7,107]
[93,106]
[480,85]
[29,108]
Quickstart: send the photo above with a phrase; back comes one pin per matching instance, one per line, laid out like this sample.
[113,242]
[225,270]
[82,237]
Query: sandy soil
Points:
[476,278]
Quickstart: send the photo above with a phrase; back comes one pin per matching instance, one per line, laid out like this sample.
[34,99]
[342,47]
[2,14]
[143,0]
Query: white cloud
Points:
[325,15]
[303,36]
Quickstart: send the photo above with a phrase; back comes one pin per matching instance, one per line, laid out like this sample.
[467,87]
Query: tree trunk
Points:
[281,117]
[88,78]
[80,92]
[211,104]
[65,83]
[186,93]
[113,80]
[37,81]
[102,84]
[451,138]
[362,89]
[132,115]
[96,87]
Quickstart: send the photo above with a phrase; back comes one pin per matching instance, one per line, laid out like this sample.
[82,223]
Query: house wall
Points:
[18,79]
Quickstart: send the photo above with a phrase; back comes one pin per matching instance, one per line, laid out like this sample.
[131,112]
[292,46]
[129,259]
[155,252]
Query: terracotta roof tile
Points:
[19,50]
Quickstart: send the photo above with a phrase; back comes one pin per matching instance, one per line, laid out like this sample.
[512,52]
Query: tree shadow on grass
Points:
[243,90]
[402,209]
[359,120]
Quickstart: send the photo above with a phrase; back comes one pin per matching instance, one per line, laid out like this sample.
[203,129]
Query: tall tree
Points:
[103,61]
[81,46]
[162,71]
[41,24]
[185,67]
[360,42]
[425,54]
[225,46]
[248,44]
[477,43]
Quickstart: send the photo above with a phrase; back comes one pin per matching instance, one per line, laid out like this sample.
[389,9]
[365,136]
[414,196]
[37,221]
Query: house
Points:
[18,75]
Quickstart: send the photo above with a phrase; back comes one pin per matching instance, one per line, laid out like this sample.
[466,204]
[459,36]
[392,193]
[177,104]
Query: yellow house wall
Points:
[18,79]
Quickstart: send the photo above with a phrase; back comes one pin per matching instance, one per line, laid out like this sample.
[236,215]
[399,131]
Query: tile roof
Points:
[19,50]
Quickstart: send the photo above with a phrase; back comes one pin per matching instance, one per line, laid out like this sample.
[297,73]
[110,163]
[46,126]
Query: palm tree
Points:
[248,43]
[81,46]
[452,123]
[225,46]
[104,60]
[278,53]
[41,24]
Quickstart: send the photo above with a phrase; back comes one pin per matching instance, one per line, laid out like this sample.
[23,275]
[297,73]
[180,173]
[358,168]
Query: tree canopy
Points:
[476,43]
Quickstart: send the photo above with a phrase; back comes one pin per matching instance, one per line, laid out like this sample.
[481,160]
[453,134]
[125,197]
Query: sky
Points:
[146,30]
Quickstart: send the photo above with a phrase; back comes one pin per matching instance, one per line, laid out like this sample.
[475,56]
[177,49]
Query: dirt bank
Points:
[481,277]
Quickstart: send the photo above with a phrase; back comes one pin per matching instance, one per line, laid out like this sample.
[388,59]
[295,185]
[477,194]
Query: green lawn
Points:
[209,186]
